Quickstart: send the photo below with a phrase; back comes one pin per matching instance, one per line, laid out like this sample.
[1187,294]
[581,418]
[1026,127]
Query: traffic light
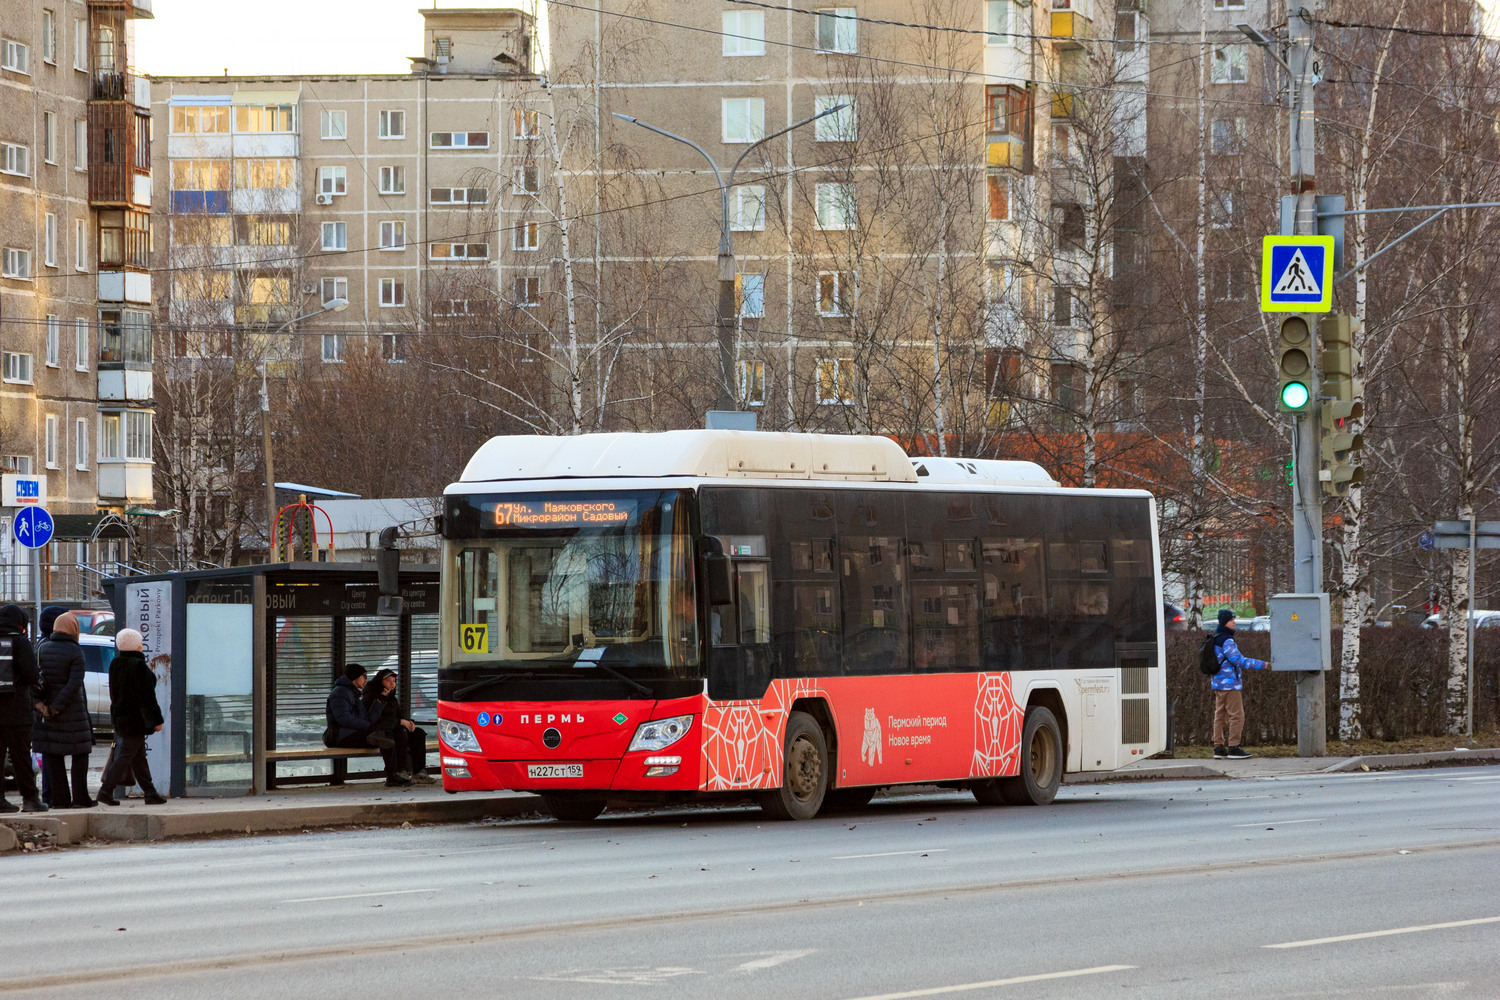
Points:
[1342,407]
[1297,381]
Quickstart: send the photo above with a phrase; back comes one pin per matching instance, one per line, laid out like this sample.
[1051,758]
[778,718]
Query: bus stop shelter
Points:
[245,658]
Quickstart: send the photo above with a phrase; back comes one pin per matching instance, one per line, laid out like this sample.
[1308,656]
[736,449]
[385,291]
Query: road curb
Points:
[1399,761]
[142,824]
[1158,772]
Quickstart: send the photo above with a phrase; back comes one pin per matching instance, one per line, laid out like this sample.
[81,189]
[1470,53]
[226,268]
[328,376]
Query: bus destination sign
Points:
[564,513]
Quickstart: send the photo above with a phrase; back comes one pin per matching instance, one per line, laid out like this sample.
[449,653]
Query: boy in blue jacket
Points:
[1229,701]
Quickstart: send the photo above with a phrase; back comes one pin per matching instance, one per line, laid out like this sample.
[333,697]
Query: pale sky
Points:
[283,37]
[276,37]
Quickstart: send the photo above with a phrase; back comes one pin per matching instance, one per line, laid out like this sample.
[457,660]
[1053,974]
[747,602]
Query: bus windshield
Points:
[564,580]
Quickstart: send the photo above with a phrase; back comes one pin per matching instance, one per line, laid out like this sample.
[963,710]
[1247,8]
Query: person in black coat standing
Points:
[17,696]
[44,632]
[62,729]
[136,714]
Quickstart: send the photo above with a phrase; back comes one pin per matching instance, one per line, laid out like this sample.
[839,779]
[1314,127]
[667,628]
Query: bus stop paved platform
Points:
[372,804]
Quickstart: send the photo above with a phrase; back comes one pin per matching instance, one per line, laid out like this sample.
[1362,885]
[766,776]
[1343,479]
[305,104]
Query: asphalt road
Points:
[1366,885]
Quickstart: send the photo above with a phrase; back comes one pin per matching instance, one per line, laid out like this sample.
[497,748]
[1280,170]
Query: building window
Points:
[392,293]
[17,367]
[393,235]
[264,230]
[1064,395]
[15,264]
[50,442]
[836,382]
[80,245]
[124,239]
[528,291]
[81,344]
[458,196]
[747,208]
[744,33]
[837,127]
[835,293]
[137,436]
[458,140]
[201,175]
[1064,303]
[80,444]
[54,341]
[15,159]
[335,236]
[1069,226]
[273,118]
[744,119]
[465,251]
[49,240]
[835,206]
[49,36]
[109,437]
[393,124]
[527,236]
[525,124]
[1221,210]
[263,174]
[752,382]
[80,144]
[18,463]
[333,348]
[1229,4]
[523,180]
[751,290]
[1003,24]
[1227,136]
[334,124]
[333,180]
[49,137]
[836,30]
[335,288]
[1226,281]
[999,192]
[1231,64]
[81,45]
[15,56]
[443,48]
[212,119]
[392,180]
[125,336]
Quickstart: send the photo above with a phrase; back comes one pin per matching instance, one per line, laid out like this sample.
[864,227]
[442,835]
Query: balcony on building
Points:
[125,375]
[1071,28]
[133,9]
[125,455]
[119,115]
[124,242]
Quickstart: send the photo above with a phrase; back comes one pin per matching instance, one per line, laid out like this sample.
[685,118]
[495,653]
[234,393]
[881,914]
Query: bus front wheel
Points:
[1041,762]
[573,810]
[804,776]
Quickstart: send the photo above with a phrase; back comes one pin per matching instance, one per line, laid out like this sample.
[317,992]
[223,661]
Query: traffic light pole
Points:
[1307,512]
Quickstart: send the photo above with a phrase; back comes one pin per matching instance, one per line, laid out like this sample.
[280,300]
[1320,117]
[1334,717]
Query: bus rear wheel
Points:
[804,777]
[1041,762]
[573,810]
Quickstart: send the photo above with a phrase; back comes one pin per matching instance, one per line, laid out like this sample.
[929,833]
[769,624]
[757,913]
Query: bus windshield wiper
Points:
[596,665]
[485,682]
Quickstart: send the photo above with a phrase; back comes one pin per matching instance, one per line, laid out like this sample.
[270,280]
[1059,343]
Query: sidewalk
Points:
[281,811]
[371,803]
[1280,767]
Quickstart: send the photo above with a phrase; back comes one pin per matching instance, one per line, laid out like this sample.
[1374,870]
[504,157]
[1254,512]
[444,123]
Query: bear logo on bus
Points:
[869,750]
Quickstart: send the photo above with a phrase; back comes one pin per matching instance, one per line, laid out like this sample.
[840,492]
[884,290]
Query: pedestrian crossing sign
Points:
[1296,274]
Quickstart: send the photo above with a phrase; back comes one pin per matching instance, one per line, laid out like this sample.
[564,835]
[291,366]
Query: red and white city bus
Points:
[804,618]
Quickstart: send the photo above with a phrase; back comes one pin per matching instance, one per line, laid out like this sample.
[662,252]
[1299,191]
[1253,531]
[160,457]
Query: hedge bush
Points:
[1403,682]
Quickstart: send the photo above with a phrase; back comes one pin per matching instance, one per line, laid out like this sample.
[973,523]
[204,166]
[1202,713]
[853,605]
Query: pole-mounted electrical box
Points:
[1300,632]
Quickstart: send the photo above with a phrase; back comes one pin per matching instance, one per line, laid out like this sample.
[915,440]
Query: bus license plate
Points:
[554,770]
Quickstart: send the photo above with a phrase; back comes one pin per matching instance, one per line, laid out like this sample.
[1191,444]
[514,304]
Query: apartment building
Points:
[303,217]
[75,287]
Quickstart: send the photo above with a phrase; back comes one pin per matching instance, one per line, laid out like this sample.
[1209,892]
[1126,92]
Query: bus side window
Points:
[754,604]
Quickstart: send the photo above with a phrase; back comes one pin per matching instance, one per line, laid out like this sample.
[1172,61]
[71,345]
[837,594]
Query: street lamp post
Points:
[727,313]
[334,305]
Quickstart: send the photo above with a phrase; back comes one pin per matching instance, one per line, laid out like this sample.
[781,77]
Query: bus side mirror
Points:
[388,574]
[720,580]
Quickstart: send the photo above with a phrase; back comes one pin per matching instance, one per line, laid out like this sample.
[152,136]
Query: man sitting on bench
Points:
[349,725]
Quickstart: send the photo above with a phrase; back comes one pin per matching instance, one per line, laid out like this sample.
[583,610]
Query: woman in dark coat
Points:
[63,729]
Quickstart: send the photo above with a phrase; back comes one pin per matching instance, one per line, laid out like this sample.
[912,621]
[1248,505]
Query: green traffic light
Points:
[1294,395]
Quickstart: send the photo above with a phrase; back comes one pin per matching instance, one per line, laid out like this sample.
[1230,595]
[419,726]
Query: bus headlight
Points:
[458,736]
[661,734]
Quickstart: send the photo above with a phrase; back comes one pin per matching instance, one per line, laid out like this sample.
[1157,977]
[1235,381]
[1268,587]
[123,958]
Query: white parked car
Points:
[1482,619]
[98,653]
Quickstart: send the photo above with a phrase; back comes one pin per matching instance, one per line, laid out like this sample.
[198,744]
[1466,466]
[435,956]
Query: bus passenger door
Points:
[740,634]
